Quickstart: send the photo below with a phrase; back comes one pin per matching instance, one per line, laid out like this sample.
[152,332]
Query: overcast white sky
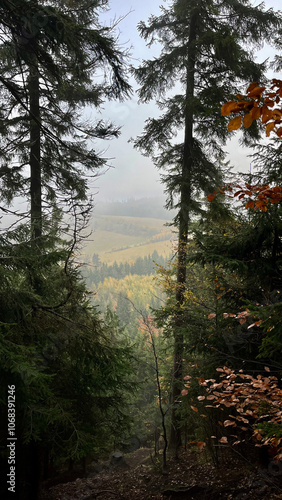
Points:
[132,175]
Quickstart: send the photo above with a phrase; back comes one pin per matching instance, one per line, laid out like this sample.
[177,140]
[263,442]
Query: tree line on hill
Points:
[142,266]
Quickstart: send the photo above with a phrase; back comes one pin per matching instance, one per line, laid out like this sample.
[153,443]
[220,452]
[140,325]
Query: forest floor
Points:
[192,476]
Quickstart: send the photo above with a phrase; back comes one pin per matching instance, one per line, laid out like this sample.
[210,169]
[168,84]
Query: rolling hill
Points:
[124,238]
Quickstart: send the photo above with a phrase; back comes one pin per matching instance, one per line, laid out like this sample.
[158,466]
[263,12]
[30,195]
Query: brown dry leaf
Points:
[211,316]
[248,120]
[201,445]
[228,108]
[227,423]
[235,123]
[194,408]
[223,440]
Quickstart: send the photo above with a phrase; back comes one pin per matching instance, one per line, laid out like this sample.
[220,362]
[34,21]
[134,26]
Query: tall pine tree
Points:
[206,53]
[52,57]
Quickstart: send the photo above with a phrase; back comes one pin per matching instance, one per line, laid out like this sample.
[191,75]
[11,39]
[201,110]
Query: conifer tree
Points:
[70,369]
[51,55]
[205,56]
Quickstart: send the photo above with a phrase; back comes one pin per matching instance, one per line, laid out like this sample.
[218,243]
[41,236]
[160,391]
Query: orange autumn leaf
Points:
[194,408]
[228,108]
[201,445]
[252,86]
[261,204]
[256,91]
[235,123]
[266,114]
[255,112]
[248,120]
[277,114]
[269,128]
[250,204]
[259,103]
[210,197]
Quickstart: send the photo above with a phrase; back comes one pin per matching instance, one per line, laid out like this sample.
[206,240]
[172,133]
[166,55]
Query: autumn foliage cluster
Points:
[254,402]
[258,104]
[251,401]
[259,195]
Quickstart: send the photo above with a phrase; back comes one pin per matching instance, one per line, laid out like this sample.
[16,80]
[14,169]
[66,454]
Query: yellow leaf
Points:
[235,123]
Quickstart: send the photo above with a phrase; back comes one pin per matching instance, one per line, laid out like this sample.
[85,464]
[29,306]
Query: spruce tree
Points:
[52,56]
[206,53]
[70,369]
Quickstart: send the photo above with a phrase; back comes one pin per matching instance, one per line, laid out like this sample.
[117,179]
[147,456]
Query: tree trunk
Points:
[184,213]
[34,155]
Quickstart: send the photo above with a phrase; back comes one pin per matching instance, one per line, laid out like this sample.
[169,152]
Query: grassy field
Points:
[124,239]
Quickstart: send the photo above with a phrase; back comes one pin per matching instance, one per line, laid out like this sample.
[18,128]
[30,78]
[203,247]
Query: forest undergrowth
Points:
[192,476]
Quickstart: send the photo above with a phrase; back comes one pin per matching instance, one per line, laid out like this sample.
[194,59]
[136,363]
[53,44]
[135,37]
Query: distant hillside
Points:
[117,238]
[123,231]
[145,207]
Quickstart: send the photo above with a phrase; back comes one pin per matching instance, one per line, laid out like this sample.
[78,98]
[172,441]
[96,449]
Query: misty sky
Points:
[131,174]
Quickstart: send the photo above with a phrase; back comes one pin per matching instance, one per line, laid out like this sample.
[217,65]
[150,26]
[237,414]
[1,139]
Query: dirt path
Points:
[191,477]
